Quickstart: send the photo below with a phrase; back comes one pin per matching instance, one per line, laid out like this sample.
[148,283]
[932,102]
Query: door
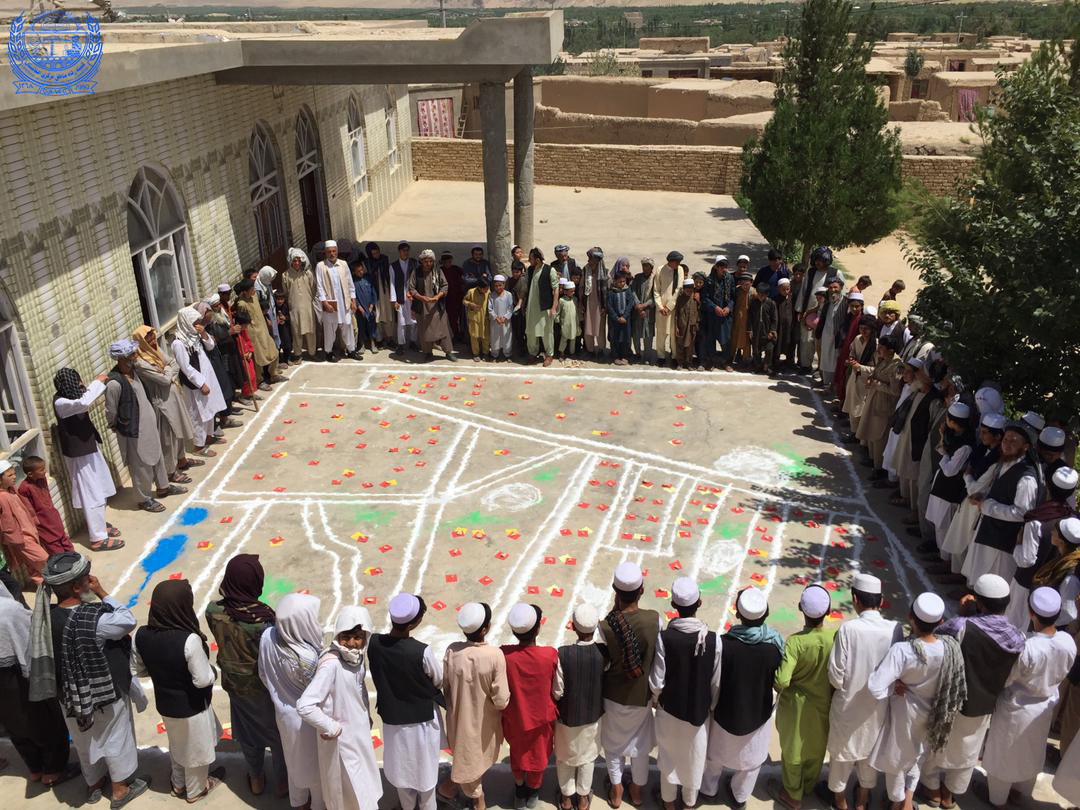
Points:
[309,175]
[309,199]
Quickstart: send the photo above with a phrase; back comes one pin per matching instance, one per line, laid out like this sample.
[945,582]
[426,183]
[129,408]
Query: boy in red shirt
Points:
[35,491]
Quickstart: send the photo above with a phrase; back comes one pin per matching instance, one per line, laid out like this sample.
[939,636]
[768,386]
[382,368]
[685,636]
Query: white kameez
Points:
[501,306]
[1025,555]
[411,752]
[893,438]
[962,527]
[984,559]
[902,744]
[202,407]
[336,702]
[939,511]
[856,717]
[738,752]
[626,731]
[89,475]
[577,745]
[963,747]
[1067,779]
[1016,744]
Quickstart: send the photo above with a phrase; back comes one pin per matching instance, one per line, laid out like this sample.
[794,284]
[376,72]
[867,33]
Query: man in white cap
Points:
[1051,449]
[990,646]
[717,304]
[500,314]
[337,301]
[1034,421]
[830,319]
[1016,745]
[1062,573]
[685,679]
[476,692]
[1036,546]
[666,289]
[579,690]
[947,487]
[920,677]
[1012,494]
[407,678]
[856,716]
[802,714]
[627,729]
[741,726]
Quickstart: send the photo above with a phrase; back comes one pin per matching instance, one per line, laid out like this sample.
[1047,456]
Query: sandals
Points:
[206,452]
[191,462]
[112,530]
[108,544]
[137,788]
[211,783]
[171,489]
[179,478]
[232,423]
[70,772]
[151,505]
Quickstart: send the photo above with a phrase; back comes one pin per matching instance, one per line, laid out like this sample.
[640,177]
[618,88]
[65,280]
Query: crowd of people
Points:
[920,707]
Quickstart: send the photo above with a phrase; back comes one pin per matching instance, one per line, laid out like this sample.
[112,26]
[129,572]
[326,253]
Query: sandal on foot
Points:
[151,505]
[112,531]
[191,462]
[251,785]
[70,772]
[180,478]
[172,489]
[137,788]
[206,452]
[108,544]
[211,783]
[179,793]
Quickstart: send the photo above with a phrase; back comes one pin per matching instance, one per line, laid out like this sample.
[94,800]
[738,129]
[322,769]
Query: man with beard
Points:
[427,289]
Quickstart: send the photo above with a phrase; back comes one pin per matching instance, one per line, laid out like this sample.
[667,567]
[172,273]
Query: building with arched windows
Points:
[204,149]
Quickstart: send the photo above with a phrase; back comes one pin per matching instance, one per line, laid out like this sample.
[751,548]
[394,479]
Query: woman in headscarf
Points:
[288,655]
[299,283]
[596,280]
[238,622]
[171,649]
[204,398]
[159,376]
[220,364]
[264,287]
[335,704]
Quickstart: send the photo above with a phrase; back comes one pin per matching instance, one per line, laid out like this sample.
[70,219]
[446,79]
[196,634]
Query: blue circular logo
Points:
[54,53]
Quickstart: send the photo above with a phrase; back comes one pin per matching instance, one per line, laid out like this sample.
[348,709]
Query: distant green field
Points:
[592,28]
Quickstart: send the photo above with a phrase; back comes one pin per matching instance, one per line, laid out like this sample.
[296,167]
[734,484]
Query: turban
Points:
[562,248]
[428,254]
[60,569]
[888,306]
[124,347]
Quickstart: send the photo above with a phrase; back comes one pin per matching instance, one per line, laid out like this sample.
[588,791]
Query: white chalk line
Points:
[329,497]
[736,575]
[507,472]
[335,568]
[662,547]
[777,548]
[664,376]
[354,551]
[269,417]
[245,528]
[706,537]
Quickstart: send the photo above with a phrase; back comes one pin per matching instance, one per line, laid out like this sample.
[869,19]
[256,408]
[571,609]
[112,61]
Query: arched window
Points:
[394,155]
[20,436]
[160,251]
[267,200]
[357,148]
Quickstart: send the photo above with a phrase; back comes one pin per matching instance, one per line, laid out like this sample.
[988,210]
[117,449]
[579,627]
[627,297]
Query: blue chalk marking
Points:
[166,552]
[193,516]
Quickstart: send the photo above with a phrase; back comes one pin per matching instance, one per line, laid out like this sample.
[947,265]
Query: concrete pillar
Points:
[496,183]
[523,159]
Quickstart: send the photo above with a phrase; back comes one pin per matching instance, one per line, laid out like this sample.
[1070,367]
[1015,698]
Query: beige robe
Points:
[266,352]
[855,388]
[665,291]
[882,390]
[476,690]
[300,292]
[174,421]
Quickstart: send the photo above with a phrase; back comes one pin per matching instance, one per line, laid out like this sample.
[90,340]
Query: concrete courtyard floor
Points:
[504,483]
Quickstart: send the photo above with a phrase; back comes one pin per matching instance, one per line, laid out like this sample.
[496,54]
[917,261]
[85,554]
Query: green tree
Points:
[913,63]
[1000,267]
[826,169]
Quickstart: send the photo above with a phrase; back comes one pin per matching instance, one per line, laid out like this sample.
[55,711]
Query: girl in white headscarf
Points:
[288,654]
[197,376]
[336,705]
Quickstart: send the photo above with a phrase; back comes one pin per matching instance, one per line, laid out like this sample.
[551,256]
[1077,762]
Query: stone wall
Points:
[938,173]
[916,109]
[674,44]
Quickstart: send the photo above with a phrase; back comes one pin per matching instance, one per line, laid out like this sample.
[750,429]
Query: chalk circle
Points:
[512,497]
[756,465]
[722,557]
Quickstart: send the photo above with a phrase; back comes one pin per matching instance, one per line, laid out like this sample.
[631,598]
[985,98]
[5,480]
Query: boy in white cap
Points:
[407,678]
[685,679]
[336,298]
[476,692]
[1016,744]
[855,715]
[1051,449]
[741,727]
[528,720]
[686,315]
[990,646]
[947,487]
[579,680]
[1034,421]
[922,678]
[500,312]
[802,714]
[566,322]
[627,730]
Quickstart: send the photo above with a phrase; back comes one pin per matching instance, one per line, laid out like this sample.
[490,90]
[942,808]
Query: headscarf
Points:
[296,253]
[68,384]
[242,587]
[264,282]
[762,634]
[172,607]
[60,569]
[621,263]
[125,347]
[217,311]
[185,326]
[349,617]
[201,307]
[149,352]
[298,637]
[14,633]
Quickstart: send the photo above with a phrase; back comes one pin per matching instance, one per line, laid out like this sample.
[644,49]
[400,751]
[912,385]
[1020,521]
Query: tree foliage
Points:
[826,169]
[1001,268]
[913,63]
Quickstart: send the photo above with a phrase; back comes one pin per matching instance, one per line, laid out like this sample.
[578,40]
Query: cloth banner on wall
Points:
[435,117]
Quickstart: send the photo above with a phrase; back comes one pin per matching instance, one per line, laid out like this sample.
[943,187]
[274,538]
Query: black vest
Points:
[543,289]
[582,702]
[406,694]
[1025,576]
[920,423]
[162,652]
[746,685]
[949,488]
[77,435]
[117,652]
[1001,534]
[986,667]
[686,694]
[127,409]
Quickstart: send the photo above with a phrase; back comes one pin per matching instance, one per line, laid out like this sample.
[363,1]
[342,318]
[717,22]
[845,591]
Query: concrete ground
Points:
[507,483]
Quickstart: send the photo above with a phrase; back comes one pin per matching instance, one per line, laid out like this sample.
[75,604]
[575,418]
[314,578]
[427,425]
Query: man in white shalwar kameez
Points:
[408,678]
[856,716]
[335,703]
[337,301]
[1016,745]
[685,679]
[205,401]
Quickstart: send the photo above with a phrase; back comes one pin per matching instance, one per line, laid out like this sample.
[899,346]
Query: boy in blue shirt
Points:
[365,309]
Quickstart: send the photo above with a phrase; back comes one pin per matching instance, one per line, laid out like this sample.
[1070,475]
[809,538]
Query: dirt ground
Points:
[884,262]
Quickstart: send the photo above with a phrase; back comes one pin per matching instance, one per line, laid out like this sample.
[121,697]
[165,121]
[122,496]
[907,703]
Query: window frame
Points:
[393,146]
[358,169]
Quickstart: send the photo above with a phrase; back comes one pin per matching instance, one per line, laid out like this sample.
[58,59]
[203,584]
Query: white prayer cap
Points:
[404,608]
[959,410]
[1052,437]
[571,285]
[991,586]
[522,618]
[866,583]
[224,288]
[586,617]
[471,617]
[751,603]
[869,310]
[329,243]
[720,257]
[688,282]
[1035,420]
[5,465]
[821,291]
[988,400]
[500,277]
[1045,602]
[855,296]
[994,421]
[1065,478]
[684,592]
[928,607]
[563,282]
[916,362]
[1070,530]
[814,602]
[743,258]
[784,282]
[352,616]
[628,576]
